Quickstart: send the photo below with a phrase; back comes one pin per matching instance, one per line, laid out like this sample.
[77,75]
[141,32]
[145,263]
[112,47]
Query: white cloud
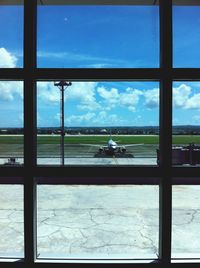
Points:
[183,98]
[85,60]
[103,114]
[193,102]
[7,60]
[152,98]
[78,119]
[103,119]
[89,106]
[83,92]
[109,95]
[113,118]
[8,90]
[47,92]
[98,65]
[131,108]
[129,98]
[181,95]
[93,119]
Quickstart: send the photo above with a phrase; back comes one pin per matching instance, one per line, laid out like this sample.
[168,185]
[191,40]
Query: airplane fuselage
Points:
[112,145]
[112,148]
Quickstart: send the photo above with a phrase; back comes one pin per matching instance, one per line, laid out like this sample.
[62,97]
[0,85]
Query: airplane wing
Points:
[131,145]
[94,145]
[105,146]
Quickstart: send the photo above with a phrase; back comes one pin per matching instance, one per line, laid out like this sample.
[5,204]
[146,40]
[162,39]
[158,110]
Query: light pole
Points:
[62,85]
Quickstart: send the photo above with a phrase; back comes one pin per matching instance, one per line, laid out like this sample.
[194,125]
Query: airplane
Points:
[112,148]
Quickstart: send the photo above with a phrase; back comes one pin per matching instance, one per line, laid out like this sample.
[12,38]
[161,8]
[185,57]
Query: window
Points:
[96,113]
[185,204]
[98,36]
[185,149]
[12,122]
[59,81]
[93,221]
[186,35]
[11,44]
[12,221]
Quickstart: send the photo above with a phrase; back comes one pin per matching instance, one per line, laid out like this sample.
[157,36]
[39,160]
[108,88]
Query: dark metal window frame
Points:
[165,175]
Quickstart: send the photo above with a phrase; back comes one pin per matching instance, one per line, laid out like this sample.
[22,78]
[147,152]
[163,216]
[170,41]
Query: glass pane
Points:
[11,32]
[186,34]
[185,221]
[11,123]
[98,123]
[98,36]
[186,123]
[97,222]
[11,221]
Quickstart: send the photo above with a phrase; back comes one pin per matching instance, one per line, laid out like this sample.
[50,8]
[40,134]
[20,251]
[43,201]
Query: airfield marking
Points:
[115,160]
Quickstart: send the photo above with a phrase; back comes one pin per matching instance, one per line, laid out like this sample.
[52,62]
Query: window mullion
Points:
[165,130]
[30,9]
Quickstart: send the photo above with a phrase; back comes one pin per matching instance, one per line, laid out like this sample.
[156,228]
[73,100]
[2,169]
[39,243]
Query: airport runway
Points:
[99,161]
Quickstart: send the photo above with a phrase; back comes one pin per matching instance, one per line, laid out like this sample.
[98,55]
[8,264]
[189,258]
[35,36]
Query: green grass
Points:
[185,139]
[177,139]
[11,139]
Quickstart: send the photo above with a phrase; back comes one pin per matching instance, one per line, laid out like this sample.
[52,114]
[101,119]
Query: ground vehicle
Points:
[12,162]
[189,154]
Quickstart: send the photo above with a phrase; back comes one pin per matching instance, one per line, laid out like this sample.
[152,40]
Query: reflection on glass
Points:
[185,221]
[186,123]
[98,36]
[98,123]
[11,221]
[109,222]
[186,35]
[11,32]
[11,123]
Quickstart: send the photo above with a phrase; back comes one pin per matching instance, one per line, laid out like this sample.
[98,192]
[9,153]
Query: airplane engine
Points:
[123,149]
[100,150]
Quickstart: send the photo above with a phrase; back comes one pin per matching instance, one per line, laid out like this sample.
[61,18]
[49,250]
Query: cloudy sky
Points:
[100,36]
[100,104]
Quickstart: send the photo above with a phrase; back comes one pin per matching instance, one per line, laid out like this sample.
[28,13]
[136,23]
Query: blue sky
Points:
[100,36]
[186,36]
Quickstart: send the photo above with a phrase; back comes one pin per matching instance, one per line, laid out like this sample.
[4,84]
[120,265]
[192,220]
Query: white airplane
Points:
[112,147]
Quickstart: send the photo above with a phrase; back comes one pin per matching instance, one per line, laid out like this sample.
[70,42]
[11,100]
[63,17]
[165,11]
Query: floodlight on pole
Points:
[62,85]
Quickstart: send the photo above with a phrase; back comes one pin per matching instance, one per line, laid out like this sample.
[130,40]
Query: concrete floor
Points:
[100,221]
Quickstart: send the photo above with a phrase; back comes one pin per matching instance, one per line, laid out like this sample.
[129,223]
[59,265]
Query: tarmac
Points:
[100,222]
[81,161]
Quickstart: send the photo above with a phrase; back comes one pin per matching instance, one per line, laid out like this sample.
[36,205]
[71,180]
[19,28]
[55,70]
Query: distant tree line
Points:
[16,131]
[145,130]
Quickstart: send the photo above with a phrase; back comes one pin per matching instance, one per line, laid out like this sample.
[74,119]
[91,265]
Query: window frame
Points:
[165,174]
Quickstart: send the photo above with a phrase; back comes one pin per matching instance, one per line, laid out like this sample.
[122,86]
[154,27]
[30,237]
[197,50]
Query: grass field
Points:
[121,139]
